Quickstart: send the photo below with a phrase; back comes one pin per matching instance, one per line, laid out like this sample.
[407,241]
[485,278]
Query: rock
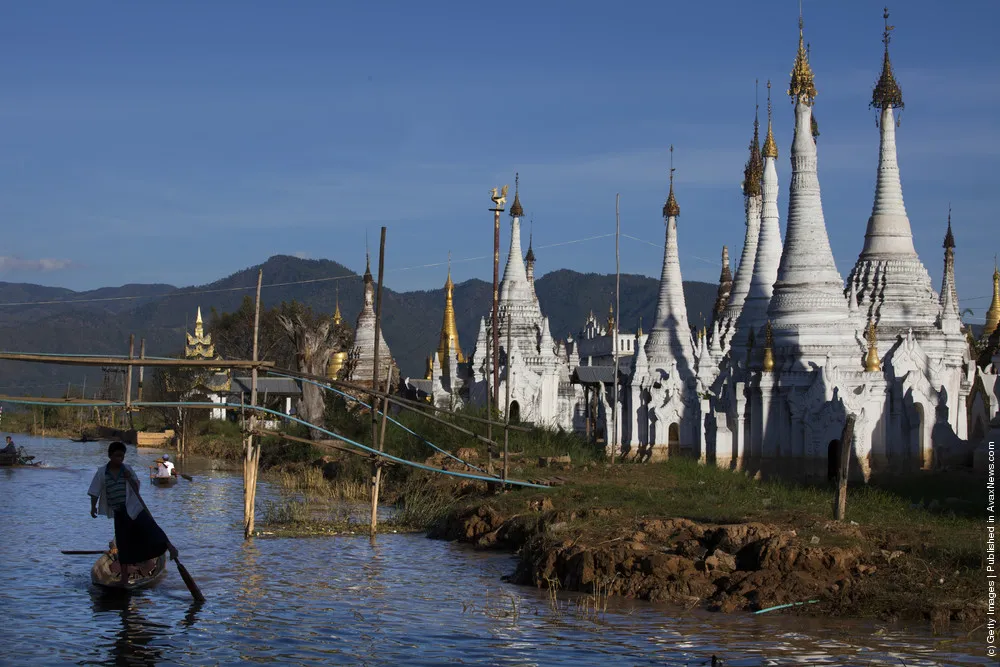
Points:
[814,539]
[719,561]
[733,537]
[467,454]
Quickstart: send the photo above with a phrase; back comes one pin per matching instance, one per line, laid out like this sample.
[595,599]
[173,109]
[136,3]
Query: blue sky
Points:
[181,141]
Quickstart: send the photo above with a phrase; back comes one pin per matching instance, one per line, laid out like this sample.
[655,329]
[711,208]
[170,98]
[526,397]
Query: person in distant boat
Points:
[114,492]
[165,467]
[10,449]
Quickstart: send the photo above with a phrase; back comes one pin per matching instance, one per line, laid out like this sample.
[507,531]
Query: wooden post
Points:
[377,476]
[373,402]
[251,452]
[142,355]
[614,339]
[506,412]
[128,381]
[840,505]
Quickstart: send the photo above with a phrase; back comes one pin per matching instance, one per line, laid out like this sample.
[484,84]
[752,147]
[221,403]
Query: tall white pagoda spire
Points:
[515,286]
[670,338]
[892,285]
[809,291]
[753,315]
[752,174]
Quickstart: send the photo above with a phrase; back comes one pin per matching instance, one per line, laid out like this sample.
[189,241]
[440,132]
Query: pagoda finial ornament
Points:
[770,148]
[872,363]
[802,86]
[768,364]
[671,209]
[611,318]
[516,210]
[754,170]
[639,332]
[949,238]
[199,346]
[886,93]
[499,200]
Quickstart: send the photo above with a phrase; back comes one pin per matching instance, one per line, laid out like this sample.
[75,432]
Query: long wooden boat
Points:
[163,481]
[102,575]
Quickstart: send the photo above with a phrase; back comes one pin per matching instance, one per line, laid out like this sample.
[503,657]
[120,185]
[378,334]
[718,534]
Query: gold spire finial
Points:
[199,328]
[872,363]
[770,148]
[516,210]
[337,317]
[802,86]
[754,170]
[993,312]
[448,284]
[611,317]
[671,209]
[886,93]
[767,365]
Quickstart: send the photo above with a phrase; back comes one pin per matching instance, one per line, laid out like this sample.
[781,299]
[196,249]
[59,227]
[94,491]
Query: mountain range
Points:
[35,318]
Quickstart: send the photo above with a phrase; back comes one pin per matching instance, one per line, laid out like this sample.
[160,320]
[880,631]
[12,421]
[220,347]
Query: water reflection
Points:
[135,643]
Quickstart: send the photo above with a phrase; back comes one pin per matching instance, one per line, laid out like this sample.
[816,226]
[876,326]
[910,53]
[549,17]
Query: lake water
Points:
[340,600]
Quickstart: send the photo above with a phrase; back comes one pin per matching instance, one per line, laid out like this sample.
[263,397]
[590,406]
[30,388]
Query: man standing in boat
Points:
[165,467]
[114,492]
[10,449]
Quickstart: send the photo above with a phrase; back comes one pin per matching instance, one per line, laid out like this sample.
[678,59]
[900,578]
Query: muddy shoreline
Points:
[740,567]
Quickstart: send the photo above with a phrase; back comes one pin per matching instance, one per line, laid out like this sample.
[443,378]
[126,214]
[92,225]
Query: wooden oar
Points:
[185,575]
[84,553]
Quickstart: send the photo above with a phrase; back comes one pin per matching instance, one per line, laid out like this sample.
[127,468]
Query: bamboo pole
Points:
[373,401]
[840,503]
[119,361]
[252,451]
[614,336]
[128,381]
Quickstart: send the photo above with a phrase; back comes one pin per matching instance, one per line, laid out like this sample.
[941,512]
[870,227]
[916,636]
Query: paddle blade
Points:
[190,582]
[187,477]
[84,553]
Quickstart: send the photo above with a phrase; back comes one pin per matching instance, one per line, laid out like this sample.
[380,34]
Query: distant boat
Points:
[163,481]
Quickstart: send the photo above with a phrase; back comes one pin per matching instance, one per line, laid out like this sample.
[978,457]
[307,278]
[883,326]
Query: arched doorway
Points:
[515,412]
[674,439]
[833,460]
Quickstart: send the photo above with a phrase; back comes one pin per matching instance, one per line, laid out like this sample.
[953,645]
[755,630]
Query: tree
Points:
[232,334]
[314,339]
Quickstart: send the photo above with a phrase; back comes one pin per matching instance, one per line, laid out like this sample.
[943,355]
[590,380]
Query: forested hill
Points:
[49,319]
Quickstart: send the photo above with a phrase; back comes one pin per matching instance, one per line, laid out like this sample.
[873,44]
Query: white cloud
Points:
[45,264]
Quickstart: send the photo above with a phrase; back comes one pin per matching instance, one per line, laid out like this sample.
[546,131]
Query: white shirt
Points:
[164,468]
[132,503]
